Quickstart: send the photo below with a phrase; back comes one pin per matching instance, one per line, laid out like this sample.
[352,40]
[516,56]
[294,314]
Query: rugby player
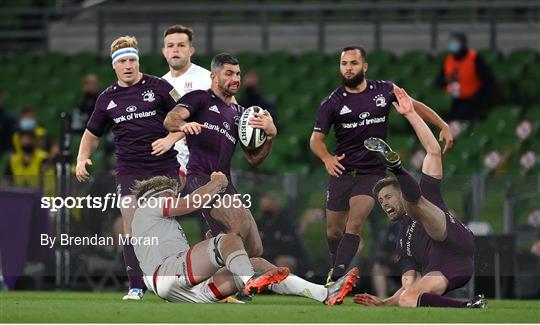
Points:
[214,268]
[135,106]
[210,121]
[184,75]
[358,110]
[435,249]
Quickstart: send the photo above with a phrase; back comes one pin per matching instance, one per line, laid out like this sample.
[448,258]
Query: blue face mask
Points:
[454,47]
[27,124]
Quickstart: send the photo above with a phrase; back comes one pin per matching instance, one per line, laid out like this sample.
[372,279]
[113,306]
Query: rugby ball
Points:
[251,138]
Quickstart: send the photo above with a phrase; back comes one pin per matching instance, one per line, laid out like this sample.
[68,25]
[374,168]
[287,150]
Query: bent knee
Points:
[409,298]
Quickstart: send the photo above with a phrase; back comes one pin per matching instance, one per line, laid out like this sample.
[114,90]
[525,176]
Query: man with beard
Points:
[359,110]
[435,249]
[184,75]
[209,120]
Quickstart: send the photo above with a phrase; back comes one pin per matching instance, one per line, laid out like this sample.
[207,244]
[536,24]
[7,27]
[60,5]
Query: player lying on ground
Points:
[435,249]
[214,268]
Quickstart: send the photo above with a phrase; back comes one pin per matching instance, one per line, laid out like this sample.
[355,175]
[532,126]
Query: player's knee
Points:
[334,231]
[409,298]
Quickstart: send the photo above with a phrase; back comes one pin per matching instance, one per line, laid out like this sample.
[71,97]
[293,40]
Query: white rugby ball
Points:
[250,137]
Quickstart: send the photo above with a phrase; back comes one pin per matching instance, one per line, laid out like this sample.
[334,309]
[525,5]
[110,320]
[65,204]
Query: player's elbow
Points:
[434,149]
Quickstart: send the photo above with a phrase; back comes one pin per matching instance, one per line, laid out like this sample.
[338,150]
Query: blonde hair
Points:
[155,183]
[124,42]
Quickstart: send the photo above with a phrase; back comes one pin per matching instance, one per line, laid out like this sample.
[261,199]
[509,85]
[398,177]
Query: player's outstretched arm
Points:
[331,163]
[264,122]
[195,201]
[427,114]
[87,147]
[432,165]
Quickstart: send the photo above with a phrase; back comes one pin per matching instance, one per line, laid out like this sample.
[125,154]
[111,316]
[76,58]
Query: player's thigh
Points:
[253,242]
[361,206]
[432,218]
[336,222]
[234,220]
[201,262]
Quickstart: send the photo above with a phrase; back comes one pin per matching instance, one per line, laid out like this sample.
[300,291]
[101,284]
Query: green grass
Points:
[77,307]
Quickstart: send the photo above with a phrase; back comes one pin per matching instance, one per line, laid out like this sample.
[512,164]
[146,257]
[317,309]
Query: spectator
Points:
[280,237]
[466,77]
[253,96]
[27,122]
[30,167]
[7,123]
[91,90]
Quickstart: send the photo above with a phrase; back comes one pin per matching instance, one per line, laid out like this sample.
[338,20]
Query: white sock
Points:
[238,263]
[294,285]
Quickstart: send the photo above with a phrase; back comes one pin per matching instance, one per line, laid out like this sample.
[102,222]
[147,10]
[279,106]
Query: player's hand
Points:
[447,137]
[367,300]
[404,103]
[192,128]
[161,146]
[265,122]
[333,165]
[219,178]
[80,171]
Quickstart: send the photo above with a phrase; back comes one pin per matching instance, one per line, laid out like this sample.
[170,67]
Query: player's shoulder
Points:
[198,70]
[107,94]
[378,85]
[151,80]
[335,98]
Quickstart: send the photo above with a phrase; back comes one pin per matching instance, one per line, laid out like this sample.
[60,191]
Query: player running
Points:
[184,75]
[435,249]
[358,110]
[210,121]
[214,268]
[135,106]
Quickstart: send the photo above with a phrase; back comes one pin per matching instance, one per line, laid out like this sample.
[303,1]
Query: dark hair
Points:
[362,50]
[382,183]
[221,59]
[461,37]
[179,29]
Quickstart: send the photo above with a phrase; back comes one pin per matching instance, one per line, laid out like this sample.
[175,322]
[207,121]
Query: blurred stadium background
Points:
[492,176]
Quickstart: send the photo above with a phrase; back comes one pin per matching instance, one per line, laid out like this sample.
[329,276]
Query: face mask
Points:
[27,124]
[454,47]
[27,148]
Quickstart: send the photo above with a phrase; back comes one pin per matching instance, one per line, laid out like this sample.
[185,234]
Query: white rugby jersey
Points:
[195,78]
[149,224]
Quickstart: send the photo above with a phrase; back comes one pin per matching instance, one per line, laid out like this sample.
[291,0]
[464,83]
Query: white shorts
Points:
[182,154]
[173,281]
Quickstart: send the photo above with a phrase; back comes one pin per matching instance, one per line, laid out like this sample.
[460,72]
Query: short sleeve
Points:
[99,120]
[169,95]
[325,118]
[431,190]
[193,101]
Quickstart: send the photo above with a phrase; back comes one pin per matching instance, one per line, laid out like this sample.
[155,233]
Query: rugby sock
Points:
[409,186]
[238,263]
[433,300]
[333,244]
[133,269]
[294,285]
[346,251]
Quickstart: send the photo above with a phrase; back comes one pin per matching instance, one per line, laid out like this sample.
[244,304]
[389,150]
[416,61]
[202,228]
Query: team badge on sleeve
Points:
[174,94]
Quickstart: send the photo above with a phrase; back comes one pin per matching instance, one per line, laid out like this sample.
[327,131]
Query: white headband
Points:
[124,52]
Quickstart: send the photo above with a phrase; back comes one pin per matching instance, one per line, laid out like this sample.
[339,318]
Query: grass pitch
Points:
[85,307]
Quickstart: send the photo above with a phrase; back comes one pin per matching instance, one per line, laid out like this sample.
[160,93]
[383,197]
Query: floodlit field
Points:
[74,307]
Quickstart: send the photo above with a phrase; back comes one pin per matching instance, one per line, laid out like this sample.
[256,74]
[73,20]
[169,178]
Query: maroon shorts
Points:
[196,181]
[341,189]
[125,182]
[453,257]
